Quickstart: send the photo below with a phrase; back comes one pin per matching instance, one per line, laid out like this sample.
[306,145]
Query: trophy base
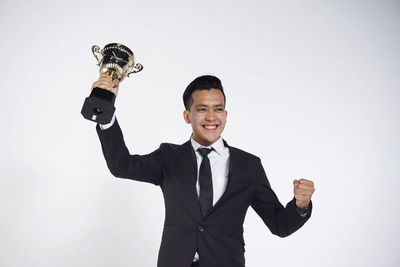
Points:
[99,106]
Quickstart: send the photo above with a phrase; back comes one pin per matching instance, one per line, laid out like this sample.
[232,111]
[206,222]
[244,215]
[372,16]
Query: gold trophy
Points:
[118,61]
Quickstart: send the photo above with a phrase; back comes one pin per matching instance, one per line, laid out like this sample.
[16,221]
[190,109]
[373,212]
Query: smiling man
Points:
[207,184]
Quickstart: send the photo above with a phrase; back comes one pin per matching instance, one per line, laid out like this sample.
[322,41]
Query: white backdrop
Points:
[312,87]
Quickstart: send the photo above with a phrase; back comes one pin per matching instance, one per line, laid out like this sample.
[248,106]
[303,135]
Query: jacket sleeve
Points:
[145,168]
[282,221]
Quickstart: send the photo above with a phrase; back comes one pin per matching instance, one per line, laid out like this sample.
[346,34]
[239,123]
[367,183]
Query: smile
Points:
[210,127]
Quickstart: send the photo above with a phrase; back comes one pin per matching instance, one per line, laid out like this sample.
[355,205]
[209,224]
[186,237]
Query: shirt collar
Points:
[217,145]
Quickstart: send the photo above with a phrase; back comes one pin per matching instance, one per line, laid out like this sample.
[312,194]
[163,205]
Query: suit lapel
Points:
[187,179]
[231,177]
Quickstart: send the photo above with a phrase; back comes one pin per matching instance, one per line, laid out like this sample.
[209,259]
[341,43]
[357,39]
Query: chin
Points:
[212,140]
[208,138]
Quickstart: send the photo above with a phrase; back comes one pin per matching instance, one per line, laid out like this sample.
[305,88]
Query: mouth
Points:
[210,127]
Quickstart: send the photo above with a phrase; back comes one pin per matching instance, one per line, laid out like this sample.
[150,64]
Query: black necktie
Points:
[205,181]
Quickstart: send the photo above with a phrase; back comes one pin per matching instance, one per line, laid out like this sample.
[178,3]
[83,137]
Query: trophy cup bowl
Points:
[118,61]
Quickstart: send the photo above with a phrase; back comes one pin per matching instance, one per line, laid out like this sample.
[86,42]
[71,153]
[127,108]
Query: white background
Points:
[312,88]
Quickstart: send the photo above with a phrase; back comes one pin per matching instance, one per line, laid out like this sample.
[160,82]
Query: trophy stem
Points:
[113,74]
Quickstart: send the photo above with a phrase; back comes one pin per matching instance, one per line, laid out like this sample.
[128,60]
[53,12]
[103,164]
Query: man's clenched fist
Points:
[303,190]
[105,82]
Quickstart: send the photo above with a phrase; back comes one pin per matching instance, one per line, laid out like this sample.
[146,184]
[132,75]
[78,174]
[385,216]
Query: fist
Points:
[303,190]
[105,82]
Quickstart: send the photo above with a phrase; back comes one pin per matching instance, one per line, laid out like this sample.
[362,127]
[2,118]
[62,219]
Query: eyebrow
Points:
[203,105]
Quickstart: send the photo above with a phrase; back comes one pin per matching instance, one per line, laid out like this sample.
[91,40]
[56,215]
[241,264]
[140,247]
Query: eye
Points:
[201,109]
[220,109]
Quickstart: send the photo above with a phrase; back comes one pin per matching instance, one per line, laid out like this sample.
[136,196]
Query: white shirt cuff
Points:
[108,125]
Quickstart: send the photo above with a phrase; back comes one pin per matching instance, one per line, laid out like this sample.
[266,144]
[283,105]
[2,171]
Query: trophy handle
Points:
[138,67]
[96,52]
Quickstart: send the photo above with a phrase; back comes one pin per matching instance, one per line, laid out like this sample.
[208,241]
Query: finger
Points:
[116,83]
[105,75]
[296,183]
[305,181]
[103,80]
[103,83]
[106,78]
[304,191]
[303,194]
[306,186]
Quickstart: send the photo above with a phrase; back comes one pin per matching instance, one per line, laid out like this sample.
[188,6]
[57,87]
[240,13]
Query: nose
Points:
[210,115]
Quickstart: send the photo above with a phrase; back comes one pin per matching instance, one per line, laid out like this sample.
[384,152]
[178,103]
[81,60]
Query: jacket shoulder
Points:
[168,146]
[171,147]
[244,154]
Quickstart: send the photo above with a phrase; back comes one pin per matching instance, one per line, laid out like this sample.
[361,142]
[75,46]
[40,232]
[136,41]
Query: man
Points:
[207,184]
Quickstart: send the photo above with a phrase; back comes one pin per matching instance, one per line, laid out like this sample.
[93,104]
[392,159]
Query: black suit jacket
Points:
[218,236]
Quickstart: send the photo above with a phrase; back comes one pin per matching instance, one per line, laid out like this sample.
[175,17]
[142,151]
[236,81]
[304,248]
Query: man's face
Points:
[207,115]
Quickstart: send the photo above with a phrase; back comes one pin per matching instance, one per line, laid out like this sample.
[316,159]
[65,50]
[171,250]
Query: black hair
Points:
[205,82]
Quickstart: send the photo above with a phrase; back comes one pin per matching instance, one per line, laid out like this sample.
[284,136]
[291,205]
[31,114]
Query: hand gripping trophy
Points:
[118,61]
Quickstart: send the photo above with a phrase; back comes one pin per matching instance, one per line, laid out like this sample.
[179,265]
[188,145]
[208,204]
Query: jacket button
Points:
[201,228]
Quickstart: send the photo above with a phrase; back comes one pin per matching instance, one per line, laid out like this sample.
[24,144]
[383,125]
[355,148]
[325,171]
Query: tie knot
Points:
[204,151]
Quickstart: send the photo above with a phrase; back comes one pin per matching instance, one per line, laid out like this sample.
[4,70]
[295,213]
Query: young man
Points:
[207,184]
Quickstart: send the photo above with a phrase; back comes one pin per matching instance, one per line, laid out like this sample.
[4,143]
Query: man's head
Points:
[204,101]
[205,82]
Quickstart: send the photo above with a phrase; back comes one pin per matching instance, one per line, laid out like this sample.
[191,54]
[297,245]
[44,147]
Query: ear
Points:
[186,114]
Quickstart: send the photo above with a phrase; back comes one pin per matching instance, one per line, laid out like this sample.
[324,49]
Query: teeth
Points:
[209,127]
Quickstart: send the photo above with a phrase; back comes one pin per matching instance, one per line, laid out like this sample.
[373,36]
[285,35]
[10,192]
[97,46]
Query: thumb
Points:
[296,183]
[116,83]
